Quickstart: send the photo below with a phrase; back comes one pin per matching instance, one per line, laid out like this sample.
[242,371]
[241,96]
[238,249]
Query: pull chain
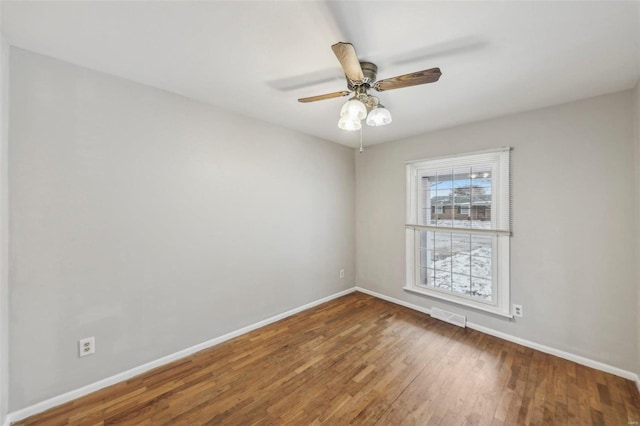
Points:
[361,141]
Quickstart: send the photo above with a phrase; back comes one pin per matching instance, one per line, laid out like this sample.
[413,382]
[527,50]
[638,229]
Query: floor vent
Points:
[450,317]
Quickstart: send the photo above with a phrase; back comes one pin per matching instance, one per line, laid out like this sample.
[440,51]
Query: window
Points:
[463,257]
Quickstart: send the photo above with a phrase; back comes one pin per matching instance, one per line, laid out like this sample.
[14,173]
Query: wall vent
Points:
[450,317]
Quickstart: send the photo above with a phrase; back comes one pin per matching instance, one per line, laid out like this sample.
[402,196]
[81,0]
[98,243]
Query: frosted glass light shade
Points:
[348,123]
[379,116]
[354,109]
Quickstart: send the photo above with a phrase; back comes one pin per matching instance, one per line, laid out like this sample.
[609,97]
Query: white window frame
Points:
[500,227]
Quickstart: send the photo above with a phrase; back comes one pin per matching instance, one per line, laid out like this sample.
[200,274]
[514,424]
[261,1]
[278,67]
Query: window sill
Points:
[441,296]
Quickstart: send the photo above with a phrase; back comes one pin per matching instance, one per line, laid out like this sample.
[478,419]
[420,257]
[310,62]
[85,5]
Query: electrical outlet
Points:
[87,346]
[517,310]
[341,273]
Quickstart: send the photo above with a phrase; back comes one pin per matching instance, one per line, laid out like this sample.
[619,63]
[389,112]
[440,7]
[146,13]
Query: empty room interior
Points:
[319,212]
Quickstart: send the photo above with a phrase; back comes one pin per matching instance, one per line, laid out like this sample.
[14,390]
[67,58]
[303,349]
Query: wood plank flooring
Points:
[360,360]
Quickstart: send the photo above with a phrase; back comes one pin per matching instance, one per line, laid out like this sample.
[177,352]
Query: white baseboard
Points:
[524,342]
[85,390]
[394,300]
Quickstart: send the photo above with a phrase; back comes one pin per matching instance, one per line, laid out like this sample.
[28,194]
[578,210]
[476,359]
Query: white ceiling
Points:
[257,58]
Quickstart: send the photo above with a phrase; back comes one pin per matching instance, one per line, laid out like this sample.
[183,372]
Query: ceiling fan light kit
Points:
[379,116]
[361,77]
[360,106]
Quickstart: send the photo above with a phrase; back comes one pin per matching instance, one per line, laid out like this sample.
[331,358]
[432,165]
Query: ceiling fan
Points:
[361,77]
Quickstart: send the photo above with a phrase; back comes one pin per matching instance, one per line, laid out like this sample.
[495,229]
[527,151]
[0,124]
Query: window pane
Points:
[459,261]
[481,267]
[444,178]
[443,280]
[462,197]
[481,245]
[428,207]
[456,262]
[481,288]
[480,207]
[426,258]
[425,216]
[444,209]
[442,245]
[426,239]
[461,264]
[461,244]
[443,199]
[443,265]
[459,197]
[461,253]
[425,212]
[461,284]
[426,276]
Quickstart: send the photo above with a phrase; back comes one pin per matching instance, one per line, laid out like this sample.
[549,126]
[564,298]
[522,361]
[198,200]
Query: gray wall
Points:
[155,223]
[573,251]
[636,96]
[4,229]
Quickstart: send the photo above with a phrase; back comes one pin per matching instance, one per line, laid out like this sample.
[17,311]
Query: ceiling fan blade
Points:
[323,97]
[421,77]
[346,54]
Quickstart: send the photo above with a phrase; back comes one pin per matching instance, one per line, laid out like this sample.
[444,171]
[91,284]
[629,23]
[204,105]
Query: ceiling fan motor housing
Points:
[370,71]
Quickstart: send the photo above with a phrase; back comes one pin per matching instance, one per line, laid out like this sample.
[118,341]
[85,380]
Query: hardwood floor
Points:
[361,360]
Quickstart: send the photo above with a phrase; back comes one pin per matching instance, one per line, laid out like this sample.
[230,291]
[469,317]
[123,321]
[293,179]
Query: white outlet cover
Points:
[86,346]
[517,310]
